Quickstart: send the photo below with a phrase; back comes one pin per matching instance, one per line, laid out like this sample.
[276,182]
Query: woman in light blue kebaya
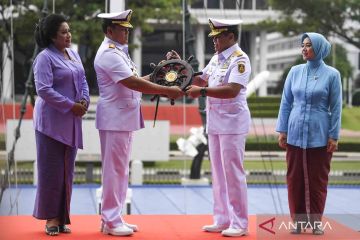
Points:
[309,124]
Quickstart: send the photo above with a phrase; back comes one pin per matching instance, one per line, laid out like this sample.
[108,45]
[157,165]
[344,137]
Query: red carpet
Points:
[152,227]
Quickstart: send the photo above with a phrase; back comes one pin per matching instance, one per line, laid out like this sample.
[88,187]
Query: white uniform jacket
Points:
[118,107]
[228,116]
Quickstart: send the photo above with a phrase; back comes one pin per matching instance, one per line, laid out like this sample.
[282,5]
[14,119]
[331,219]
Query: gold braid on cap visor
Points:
[123,23]
[216,31]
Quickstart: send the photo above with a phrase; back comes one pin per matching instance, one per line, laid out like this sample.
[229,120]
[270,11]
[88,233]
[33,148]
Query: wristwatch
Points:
[203,92]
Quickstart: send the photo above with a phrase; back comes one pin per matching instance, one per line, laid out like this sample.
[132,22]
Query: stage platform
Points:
[159,227]
[173,212]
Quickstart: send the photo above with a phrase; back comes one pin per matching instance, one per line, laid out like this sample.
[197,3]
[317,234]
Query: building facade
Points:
[267,51]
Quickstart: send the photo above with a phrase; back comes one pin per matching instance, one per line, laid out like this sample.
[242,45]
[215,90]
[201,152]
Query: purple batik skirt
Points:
[55,164]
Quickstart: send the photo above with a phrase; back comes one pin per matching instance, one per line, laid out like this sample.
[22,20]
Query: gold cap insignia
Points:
[218,26]
[124,22]
[120,18]
[215,31]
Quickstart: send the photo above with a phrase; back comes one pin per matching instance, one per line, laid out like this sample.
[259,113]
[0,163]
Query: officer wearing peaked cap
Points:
[226,77]
[218,26]
[118,114]
[121,18]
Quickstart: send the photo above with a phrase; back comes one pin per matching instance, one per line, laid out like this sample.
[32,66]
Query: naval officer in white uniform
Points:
[118,114]
[224,82]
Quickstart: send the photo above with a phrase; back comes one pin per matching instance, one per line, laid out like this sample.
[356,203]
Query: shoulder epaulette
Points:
[238,53]
[111,45]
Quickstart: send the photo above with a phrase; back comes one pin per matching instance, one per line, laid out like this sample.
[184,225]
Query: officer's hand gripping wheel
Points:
[174,72]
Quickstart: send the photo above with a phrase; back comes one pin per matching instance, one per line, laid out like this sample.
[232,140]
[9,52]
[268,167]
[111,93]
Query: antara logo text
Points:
[269,225]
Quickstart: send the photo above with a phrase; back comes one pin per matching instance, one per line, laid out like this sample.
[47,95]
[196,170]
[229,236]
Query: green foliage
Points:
[264,107]
[351,118]
[272,145]
[85,27]
[323,16]
[155,9]
[356,98]
[260,164]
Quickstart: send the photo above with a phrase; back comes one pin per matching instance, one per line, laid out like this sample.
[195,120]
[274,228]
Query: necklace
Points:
[315,77]
[66,55]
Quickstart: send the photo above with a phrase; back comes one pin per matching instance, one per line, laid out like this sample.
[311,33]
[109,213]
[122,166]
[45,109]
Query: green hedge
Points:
[264,113]
[264,100]
[349,147]
[267,107]
[356,98]
[264,107]
[273,146]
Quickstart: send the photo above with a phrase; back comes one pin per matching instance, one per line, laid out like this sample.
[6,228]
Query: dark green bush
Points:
[264,107]
[273,146]
[356,98]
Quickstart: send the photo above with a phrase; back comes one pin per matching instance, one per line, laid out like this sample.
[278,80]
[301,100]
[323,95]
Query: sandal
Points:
[52,231]
[64,229]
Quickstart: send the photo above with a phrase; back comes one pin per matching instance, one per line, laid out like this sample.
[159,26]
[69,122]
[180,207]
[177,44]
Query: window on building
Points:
[271,48]
[197,4]
[244,4]
[262,4]
[156,44]
[282,66]
[213,3]
[272,91]
[209,45]
[271,67]
[229,4]
[245,42]
[248,4]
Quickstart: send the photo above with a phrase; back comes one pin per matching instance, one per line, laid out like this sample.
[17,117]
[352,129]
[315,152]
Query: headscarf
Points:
[320,45]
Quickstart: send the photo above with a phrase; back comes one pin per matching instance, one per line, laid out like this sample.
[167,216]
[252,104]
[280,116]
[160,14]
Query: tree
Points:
[340,18]
[168,10]
[329,17]
[85,27]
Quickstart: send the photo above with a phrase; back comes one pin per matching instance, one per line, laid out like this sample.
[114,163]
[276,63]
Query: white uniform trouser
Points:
[229,180]
[115,157]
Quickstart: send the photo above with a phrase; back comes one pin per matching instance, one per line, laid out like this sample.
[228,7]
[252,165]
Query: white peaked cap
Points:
[218,26]
[120,18]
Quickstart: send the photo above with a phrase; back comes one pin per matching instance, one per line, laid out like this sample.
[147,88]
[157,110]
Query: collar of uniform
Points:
[227,53]
[118,45]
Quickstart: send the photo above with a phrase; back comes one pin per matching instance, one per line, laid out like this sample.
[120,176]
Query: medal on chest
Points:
[134,71]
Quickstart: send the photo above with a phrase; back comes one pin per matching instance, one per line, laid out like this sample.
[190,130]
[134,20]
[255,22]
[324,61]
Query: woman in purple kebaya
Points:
[63,98]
